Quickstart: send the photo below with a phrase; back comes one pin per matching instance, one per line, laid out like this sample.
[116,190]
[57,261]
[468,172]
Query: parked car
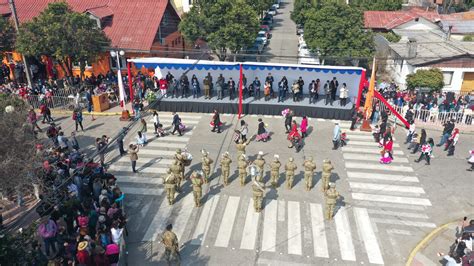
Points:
[267,23]
[257,47]
[262,36]
[268,17]
[276,5]
[299,29]
[267,32]
[265,27]
[272,11]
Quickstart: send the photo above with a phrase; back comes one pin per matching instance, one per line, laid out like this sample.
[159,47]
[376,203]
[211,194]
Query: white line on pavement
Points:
[381,188]
[392,199]
[320,243]
[399,214]
[270,226]
[158,144]
[227,222]
[151,161]
[370,157]
[141,191]
[368,236]
[294,228]
[368,150]
[384,167]
[374,176]
[368,143]
[399,232]
[281,210]
[205,220]
[179,224]
[158,224]
[249,234]
[138,180]
[384,205]
[141,169]
[344,235]
[403,222]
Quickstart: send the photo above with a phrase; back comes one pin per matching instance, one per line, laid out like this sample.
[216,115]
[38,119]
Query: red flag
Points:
[240,90]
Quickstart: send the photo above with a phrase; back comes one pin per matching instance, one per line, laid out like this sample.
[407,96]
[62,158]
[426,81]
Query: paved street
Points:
[284,41]
[386,209]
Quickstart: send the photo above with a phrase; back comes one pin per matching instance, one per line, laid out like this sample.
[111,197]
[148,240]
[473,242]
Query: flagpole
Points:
[368,101]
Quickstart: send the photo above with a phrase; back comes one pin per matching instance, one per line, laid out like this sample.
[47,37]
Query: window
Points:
[113,62]
[448,77]
[76,64]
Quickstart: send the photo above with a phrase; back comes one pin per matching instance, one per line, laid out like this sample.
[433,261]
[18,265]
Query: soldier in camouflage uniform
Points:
[197,181]
[175,169]
[242,166]
[170,241]
[170,180]
[326,176]
[206,165]
[225,167]
[241,147]
[290,169]
[260,163]
[275,170]
[331,198]
[180,159]
[309,167]
[258,188]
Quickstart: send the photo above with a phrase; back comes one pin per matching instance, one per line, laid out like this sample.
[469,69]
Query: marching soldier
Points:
[170,240]
[309,167]
[197,181]
[331,198]
[260,163]
[225,167]
[326,176]
[241,147]
[258,188]
[170,180]
[206,165]
[242,166]
[290,169]
[175,169]
[180,158]
[275,170]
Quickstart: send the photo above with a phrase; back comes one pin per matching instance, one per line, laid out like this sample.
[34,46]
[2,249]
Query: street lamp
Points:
[125,114]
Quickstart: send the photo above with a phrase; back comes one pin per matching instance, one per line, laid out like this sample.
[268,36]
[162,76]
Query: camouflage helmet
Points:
[178,150]
[291,159]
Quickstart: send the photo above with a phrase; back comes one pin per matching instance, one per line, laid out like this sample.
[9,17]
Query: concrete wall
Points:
[421,24]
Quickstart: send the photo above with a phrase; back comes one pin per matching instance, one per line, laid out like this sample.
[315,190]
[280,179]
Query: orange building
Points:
[141,28]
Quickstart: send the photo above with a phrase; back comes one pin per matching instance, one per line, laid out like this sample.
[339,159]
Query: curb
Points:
[425,241]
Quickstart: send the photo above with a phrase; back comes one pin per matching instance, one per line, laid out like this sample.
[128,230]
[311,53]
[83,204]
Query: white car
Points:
[276,5]
[262,36]
[272,11]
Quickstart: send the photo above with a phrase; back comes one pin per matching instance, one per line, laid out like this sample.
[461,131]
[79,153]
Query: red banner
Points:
[382,99]
[130,86]
[361,88]
[240,90]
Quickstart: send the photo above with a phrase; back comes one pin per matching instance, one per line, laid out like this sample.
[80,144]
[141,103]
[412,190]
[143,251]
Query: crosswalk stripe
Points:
[294,228]
[148,169]
[249,234]
[151,161]
[270,226]
[169,121]
[171,145]
[375,204]
[387,177]
[392,199]
[205,220]
[384,167]
[139,180]
[399,214]
[368,150]
[399,232]
[368,143]
[179,224]
[360,137]
[344,235]
[356,132]
[320,119]
[182,116]
[281,210]
[157,152]
[368,236]
[403,222]
[369,157]
[174,138]
[141,191]
[381,188]
[320,243]
[158,224]
[227,222]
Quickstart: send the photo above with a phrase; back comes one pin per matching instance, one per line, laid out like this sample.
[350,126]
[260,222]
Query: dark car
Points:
[267,23]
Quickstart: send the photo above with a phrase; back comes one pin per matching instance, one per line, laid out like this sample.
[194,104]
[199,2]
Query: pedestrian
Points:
[426,151]
[74,142]
[231,87]
[89,102]
[83,256]
[140,139]
[470,160]
[411,131]
[256,87]
[333,86]
[143,130]
[100,144]
[77,117]
[170,181]
[290,168]
[304,126]
[52,133]
[170,241]
[219,89]
[120,138]
[156,121]
[331,199]
[269,79]
[294,137]
[133,151]
[336,136]
[420,141]
[452,141]
[288,120]
[163,84]
[197,182]
[136,108]
[295,88]
[243,130]
[225,167]
[195,85]
[309,168]
[46,113]
[262,133]
[206,165]
[216,122]
[207,87]
[447,130]
[242,164]
[281,91]
[343,94]
[327,93]
[63,142]
[267,91]
[176,124]
[33,119]
[258,189]
[47,231]
[260,163]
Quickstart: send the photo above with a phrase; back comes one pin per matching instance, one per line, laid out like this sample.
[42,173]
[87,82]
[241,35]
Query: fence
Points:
[55,102]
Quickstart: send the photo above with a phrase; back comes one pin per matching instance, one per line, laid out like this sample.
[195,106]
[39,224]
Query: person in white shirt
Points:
[411,131]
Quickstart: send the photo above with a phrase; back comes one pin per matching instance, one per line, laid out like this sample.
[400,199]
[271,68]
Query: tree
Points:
[299,11]
[224,24]
[381,5]
[64,35]
[7,35]
[426,78]
[337,31]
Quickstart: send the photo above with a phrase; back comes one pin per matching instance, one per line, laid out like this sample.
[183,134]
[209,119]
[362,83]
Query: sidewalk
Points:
[439,240]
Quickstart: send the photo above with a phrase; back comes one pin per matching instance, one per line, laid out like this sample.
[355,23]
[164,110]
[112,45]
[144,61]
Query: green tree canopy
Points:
[300,7]
[224,24]
[337,31]
[426,78]
[65,35]
[7,35]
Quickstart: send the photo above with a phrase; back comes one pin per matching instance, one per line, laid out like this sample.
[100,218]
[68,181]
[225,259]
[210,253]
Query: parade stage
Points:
[254,106]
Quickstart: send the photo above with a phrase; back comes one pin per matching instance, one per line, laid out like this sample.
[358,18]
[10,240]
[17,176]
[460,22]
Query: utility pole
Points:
[17,26]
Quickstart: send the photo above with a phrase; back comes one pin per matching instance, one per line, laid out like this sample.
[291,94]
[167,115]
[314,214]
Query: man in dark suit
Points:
[333,85]
[176,124]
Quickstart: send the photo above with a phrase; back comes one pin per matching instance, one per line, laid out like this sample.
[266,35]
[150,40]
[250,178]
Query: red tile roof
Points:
[391,19]
[134,23]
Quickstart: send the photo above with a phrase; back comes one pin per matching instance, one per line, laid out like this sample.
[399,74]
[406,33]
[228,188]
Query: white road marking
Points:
[151,161]
[294,228]
[205,220]
[227,222]
[403,222]
[156,152]
[159,222]
[169,121]
[399,214]
[399,232]
[344,235]
[281,210]
[368,236]
[138,180]
[141,169]
[369,157]
[141,191]
[179,224]
[320,243]
[368,150]
[392,199]
[249,234]
[270,226]
[155,144]
[320,119]
[383,167]
[375,176]
[375,204]
[381,188]
[368,143]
